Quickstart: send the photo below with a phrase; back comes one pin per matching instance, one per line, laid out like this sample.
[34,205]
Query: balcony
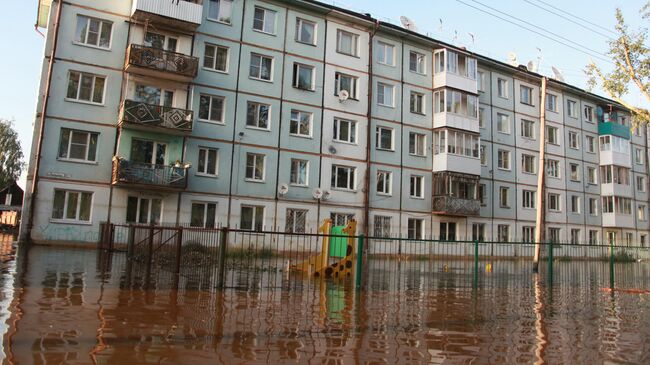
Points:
[611,189]
[147,176]
[618,220]
[449,205]
[457,121]
[614,129]
[149,61]
[149,117]
[184,15]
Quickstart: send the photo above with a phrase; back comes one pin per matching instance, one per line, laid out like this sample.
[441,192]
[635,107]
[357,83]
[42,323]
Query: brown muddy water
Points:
[69,306]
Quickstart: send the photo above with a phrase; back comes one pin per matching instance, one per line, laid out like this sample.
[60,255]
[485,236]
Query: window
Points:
[385,94]
[482,194]
[417,187]
[629,237]
[481,81]
[504,202]
[258,115]
[641,212]
[93,32]
[417,62]
[252,217]
[614,143]
[502,88]
[347,43]
[415,229]
[528,199]
[385,53]
[345,130]
[551,102]
[215,58]
[642,240]
[299,172]
[591,144]
[204,215]
[573,140]
[448,231]
[526,95]
[478,232]
[575,236]
[341,219]
[305,31]
[503,159]
[417,103]
[608,204]
[143,210]
[528,129]
[528,163]
[554,202]
[72,205]
[384,138]
[347,83]
[503,233]
[553,168]
[615,174]
[593,237]
[255,166]
[296,221]
[343,177]
[303,77]
[638,156]
[211,108]
[593,206]
[528,234]
[575,204]
[456,102]
[384,182]
[457,143]
[591,175]
[483,156]
[208,161]
[640,184]
[503,123]
[300,123]
[417,144]
[574,169]
[86,87]
[571,108]
[551,135]
[554,235]
[382,226]
[78,145]
[589,113]
[264,20]
[261,67]
[481,117]
[220,10]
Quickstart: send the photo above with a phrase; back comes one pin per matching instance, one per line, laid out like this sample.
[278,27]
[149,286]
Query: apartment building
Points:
[278,114]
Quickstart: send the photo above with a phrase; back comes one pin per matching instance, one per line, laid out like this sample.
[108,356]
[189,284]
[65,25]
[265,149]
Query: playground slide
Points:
[340,248]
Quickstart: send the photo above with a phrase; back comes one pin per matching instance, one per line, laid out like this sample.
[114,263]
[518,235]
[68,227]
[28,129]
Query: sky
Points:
[451,21]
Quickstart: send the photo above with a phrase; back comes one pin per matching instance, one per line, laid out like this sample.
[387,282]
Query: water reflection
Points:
[71,306]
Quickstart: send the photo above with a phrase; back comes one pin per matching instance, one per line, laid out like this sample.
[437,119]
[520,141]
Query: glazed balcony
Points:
[614,129]
[150,117]
[184,15]
[169,178]
[618,220]
[449,205]
[154,62]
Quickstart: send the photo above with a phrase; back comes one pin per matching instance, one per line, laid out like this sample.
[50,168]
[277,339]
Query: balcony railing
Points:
[165,177]
[161,60]
[150,115]
[444,204]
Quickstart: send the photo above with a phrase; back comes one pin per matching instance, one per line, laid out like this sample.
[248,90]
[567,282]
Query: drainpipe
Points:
[41,130]
[541,173]
[277,161]
[366,184]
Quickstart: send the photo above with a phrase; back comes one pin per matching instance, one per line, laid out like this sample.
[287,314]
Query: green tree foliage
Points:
[11,154]
[629,54]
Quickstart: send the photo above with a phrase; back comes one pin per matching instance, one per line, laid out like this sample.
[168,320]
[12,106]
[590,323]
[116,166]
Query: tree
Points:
[629,54]
[11,154]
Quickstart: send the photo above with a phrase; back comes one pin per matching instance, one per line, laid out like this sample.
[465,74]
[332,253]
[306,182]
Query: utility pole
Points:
[541,173]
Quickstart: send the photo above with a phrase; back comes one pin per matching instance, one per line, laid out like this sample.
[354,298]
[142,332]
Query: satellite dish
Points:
[332,150]
[532,66]
[512,59]
[327,195]
[283,189]
[343,95]
[317,193]
[557,74]
[408,23]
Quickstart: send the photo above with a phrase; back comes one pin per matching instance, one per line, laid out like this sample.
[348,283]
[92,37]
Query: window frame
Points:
[502,162]
[387,185]
[354,84]
[206,209]
[352,131]
[76,99]
[299,122]
[383,46]
[416,187]
[420,102]
[207,151]
[215,57]
[299,23]
[89,137]
[66,201]
[255,224]
[423,62]
[222,120]
[297,66]
[383,86]
[210,4]
[264,20]
[354,43]
[254,177]
[351,180]
[102,22]
[260,67]
[258,106]
[378,138]
[299,161]
[417,145]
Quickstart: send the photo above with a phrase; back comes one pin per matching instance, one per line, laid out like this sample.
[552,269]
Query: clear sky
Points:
[23,46]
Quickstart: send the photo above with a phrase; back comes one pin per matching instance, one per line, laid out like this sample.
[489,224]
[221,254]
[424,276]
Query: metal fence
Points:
[242,259]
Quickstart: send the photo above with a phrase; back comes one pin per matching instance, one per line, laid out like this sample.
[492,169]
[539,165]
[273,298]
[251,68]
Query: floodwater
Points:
[70,306]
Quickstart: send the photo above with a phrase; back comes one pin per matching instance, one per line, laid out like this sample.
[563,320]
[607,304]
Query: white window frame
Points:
[352,130]
[259,67]
[415,228]
[256,118]
[297,67]
[574,168]
[255,157]
[503,160]
[419,146]
[503,123]
[593,207]
[592,175]
[551,102]
[212,99]
[204,220]
[552,135]
[572,108]
[382,226]
[221,18]
[416,187]
[292,218]
[574,141]
[77,95]
[418,101]
[350,184]
[149,207]
[216,48]
[502,88]
[528,129]
[354,84]
[575,204]
[528,199]
[591,144]
[354,43]
[528,165]
[504,198]
[297,122]
[299,23]
[527,91]
[553,168]
[89,136]
[554,198]
[641,184]
[382,94]
[206,151]
[255,222]
[85,41]
[266,28]
[379,139]
[298,171]
[66,202]
[420,63]
[384,57]
[384,182]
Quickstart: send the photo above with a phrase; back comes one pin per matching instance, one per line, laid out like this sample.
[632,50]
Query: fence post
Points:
[359,268]
[475,281]
[550,263]
[111,242]
[150,248]
[130,242]
[223,241]
[611,265]
[179,249]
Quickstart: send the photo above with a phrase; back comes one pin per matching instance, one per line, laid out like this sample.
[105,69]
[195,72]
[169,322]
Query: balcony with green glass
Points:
[614,129]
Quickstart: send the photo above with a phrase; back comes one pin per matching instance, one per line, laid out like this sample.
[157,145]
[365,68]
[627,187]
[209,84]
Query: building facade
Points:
[278,114]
